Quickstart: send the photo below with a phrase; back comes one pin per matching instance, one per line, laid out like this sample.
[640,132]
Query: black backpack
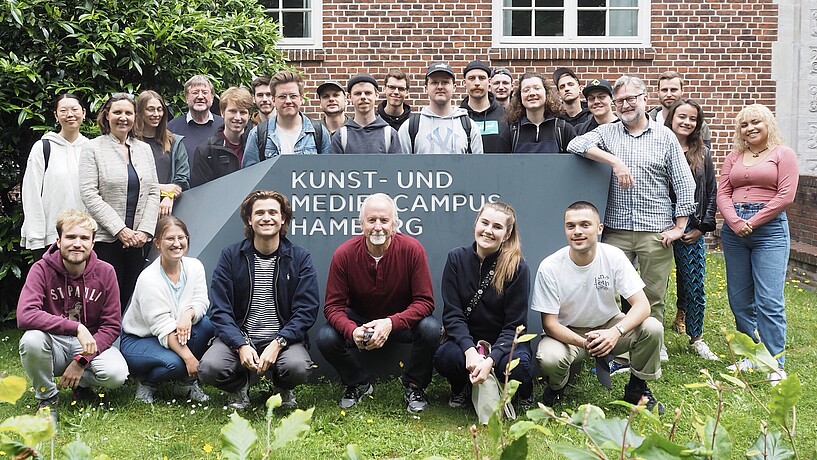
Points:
[263,128]
[560,126]
[46,157]
[414,126]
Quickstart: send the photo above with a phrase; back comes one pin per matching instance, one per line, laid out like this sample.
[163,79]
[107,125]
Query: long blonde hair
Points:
[510,252]
[756,111]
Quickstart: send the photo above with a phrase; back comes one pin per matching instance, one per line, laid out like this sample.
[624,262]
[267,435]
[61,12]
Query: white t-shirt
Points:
[584,296]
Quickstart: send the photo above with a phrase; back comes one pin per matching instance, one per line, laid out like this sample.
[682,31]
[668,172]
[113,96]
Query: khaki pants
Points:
[642,343]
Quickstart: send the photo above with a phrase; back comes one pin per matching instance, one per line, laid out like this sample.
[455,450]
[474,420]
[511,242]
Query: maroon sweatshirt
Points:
[398,287]
[55,302]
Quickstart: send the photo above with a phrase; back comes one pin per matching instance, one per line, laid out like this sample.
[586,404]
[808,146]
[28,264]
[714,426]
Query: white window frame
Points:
[571,39]
[316,26]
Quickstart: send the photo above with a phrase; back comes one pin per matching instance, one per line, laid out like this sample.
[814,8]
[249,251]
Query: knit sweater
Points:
[153,310]
[398,287]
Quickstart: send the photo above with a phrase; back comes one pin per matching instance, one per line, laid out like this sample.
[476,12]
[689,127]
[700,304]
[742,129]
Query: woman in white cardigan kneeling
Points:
[165,330]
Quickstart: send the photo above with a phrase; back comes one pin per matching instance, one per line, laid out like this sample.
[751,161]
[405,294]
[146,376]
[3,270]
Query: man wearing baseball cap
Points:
[599,95]
[567,83]
[333,105]
[367,132]
[482,106]
[502,85]
[440,127]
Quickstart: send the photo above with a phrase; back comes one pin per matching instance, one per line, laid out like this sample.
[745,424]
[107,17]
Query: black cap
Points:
[598,83]
[440,67]
[476,65]
[560,72]
[501,71]
[361,78]
[329,84]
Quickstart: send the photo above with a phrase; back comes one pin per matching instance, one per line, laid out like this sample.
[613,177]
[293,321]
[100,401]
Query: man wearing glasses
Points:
[394,109]
[647,162]
[199,123]
[289,131]
[599,95]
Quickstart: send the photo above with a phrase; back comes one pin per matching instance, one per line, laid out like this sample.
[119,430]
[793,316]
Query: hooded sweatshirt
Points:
[441,134]
[394,122]
[489,122]
[365,139]
[55,302]
[47,192]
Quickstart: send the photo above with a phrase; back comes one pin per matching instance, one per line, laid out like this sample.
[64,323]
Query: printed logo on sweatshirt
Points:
[75,292]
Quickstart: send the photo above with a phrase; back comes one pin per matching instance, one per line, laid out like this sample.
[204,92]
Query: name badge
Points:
[488,127]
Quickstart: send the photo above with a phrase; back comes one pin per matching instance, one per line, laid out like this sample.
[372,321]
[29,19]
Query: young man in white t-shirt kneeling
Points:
[576,290]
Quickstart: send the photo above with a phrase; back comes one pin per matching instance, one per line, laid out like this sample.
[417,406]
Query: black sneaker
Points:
[416,399]
[460,399]
[551,397]
[523,404]
[51,403]
[633,395]
[354,393]
[83,395]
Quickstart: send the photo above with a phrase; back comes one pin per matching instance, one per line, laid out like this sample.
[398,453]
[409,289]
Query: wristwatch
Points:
[81,360]
[620,329]
[281,341]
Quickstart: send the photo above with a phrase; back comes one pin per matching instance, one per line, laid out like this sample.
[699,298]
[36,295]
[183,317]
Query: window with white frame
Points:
[300,21]
[571,22]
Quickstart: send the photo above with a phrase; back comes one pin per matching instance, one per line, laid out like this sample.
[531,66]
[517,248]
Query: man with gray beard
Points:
[379,290]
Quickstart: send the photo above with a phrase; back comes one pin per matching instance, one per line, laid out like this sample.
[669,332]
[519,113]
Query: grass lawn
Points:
[382,428]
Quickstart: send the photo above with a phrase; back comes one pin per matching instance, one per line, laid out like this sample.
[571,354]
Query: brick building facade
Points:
[725,49]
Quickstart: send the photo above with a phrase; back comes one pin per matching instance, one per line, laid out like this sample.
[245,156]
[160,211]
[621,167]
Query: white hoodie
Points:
[46,195]
[441,134]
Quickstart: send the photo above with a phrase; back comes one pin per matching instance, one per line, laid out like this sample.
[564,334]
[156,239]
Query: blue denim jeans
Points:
[148,359]
[756,266]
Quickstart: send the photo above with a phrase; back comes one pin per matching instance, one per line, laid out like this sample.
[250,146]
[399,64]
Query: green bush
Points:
[94,48]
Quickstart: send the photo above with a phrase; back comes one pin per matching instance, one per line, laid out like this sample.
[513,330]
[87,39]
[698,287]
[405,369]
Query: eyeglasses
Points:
[600,98]
[286,97]
[173,239]
[393,88]
[530,89]
[199,92]
[630,100]
[74,110]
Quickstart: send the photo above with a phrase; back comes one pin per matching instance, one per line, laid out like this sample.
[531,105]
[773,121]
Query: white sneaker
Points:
[700,347]
[776,377]
[190,390]
[743,365]
[662,354]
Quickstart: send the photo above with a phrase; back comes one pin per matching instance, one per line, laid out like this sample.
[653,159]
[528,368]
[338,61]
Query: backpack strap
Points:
[261,139]
[387,138]
[466,125]
[318,127]
[46,158]
[414,126]
[343,135]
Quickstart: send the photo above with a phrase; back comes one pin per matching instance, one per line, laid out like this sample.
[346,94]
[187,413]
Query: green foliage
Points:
[12,388]
[238,438]
[769,446]
[94,48]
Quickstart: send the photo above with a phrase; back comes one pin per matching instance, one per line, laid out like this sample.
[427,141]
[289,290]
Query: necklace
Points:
[757,154]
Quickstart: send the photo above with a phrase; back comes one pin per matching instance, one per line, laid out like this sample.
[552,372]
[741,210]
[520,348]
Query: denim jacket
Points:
[305,144]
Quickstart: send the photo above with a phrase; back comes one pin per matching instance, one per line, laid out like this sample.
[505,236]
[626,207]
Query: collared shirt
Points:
[657,164]
[189,118]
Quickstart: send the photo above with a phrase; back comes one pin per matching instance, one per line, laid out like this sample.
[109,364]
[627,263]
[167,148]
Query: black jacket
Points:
[214,158]
[495,318]
[531,138]
[394,122]
[706,189]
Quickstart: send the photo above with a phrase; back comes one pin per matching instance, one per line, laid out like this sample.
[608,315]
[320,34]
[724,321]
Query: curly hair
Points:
[515,108]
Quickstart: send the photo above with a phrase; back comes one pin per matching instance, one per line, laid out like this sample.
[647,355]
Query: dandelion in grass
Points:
[343,413]
[207,448]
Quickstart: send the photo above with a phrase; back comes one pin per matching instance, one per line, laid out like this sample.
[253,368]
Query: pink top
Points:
[772,181]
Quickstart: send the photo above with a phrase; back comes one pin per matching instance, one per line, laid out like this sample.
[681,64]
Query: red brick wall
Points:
[801,214]
[722,47]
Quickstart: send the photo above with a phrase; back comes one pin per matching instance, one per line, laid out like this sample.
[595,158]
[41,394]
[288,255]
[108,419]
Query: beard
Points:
[377,238]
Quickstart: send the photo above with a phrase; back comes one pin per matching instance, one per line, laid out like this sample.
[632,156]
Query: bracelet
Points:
[171,195]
